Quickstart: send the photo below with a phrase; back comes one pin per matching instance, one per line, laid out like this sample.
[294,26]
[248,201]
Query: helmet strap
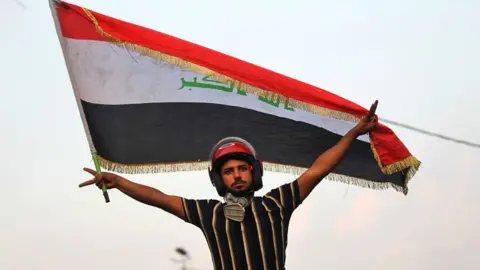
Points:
[234,208]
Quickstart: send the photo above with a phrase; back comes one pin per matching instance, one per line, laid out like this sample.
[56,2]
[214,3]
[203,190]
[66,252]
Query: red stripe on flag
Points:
[76,27]
[76,24]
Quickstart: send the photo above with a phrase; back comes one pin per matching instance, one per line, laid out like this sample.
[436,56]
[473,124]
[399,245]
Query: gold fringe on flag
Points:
[268,166]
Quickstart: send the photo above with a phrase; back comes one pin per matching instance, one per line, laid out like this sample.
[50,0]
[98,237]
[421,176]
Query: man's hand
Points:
[368,122]
[110,179]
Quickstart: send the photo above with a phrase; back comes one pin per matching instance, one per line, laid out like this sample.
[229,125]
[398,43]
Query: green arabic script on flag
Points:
[271,98]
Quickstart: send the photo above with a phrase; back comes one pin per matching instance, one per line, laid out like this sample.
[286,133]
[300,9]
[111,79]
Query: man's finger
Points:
[87,183]
[373,108]
[92,172]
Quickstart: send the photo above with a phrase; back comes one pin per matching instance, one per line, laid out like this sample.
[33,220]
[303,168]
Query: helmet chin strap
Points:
[234,207]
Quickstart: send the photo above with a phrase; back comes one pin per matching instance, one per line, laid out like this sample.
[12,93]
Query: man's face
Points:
[237,176]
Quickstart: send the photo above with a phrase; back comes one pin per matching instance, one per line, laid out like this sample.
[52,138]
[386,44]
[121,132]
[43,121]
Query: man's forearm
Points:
[141,193]
[327,161]
[324,164]
[151,196]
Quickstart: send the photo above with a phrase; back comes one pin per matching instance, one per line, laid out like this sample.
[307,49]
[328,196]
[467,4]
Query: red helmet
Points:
[233,148]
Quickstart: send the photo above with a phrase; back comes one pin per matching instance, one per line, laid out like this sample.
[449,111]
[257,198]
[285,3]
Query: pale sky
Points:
[419,58]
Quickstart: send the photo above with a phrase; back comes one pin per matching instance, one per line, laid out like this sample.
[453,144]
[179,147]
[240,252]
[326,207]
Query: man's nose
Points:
[236,173]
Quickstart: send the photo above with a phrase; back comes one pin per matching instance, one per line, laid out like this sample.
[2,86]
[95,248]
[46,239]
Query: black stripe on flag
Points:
[185,132]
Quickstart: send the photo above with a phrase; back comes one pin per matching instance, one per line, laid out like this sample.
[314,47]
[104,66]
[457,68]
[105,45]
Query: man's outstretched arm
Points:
[141,193]
[327,161]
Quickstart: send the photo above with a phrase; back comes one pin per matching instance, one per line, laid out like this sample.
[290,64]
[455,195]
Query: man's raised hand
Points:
[110,179]
[368,122]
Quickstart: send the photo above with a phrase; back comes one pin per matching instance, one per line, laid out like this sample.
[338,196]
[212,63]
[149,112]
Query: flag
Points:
[151,102]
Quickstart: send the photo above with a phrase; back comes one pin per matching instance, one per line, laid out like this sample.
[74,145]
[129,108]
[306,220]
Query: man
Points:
[246,231]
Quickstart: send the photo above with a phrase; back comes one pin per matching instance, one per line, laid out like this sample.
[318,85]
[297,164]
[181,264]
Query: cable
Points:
[20,3]
[471,144]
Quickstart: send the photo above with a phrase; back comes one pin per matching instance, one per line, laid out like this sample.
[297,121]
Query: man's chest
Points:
[259,214]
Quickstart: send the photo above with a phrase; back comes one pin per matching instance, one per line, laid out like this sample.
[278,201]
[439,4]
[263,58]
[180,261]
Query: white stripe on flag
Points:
[106,74]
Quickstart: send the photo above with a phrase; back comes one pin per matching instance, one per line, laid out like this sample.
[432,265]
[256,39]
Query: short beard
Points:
[242,193]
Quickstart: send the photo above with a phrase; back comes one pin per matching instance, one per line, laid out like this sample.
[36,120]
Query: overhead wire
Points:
[433,134]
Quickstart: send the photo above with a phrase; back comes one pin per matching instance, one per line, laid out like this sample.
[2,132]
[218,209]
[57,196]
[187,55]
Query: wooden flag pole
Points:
[99,170]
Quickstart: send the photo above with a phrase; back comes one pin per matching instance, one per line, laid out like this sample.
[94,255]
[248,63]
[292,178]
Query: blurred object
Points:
[20,3]
[184,258]
[182,252]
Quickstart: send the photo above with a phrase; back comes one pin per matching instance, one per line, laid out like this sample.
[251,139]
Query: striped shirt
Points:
[259,241]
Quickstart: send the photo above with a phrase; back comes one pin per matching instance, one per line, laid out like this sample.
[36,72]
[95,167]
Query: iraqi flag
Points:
[152,103]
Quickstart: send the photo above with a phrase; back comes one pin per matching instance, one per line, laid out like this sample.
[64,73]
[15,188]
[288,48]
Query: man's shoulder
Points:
[285,196]
[288,187]
[268,198]
[196,209]
[202,204]
[201,201]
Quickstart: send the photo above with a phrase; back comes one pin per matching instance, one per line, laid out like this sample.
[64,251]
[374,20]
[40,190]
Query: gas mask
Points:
[234,208]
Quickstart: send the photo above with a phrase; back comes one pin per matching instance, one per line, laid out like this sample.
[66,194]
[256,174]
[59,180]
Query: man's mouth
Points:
[238,184]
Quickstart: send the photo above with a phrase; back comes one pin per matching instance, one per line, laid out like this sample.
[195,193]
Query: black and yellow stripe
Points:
[259,242]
